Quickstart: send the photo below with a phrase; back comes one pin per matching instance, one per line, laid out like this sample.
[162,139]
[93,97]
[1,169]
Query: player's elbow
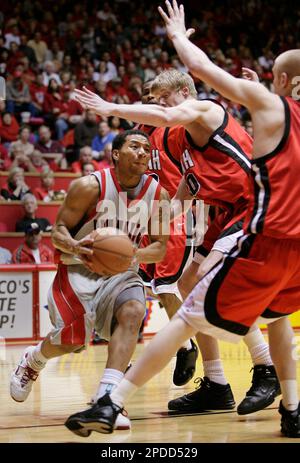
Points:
[195,69]
[169,117]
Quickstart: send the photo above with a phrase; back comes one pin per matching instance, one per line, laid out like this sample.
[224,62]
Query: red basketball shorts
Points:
[259,279]
[163,276]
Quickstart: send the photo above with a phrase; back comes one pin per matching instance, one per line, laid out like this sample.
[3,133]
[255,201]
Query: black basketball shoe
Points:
[290,421]
[185,365]
[208,396]
[101,417]
[265,388]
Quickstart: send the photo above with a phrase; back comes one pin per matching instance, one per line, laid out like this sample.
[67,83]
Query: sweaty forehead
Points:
[141,139]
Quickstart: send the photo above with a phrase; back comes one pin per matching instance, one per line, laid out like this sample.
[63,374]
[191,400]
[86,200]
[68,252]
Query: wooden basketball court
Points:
[67,383]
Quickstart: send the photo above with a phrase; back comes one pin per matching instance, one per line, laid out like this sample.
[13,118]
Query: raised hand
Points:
[249,74]
[174,20]
[90,100]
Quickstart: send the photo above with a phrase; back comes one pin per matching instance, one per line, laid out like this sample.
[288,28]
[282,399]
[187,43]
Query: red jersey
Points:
[274,186]
[218,172]
[162,165]
[23,254]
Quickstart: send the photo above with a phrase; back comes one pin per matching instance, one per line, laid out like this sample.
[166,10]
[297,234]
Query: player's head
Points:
[147,97]
[131,152]
[286,69]
[172,87]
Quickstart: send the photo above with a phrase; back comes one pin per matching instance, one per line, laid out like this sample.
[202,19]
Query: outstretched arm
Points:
[248,93]
[150,114]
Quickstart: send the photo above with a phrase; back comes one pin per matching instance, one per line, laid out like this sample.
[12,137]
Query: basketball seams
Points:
[114,256]
[115,253]
[105,265]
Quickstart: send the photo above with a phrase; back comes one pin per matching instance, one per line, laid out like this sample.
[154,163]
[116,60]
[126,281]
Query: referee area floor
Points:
[67,384]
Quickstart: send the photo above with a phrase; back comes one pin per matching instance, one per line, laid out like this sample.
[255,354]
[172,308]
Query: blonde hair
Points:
[13,172]
[172,79]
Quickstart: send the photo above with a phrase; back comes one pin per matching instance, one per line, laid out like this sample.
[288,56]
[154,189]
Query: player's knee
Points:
[186,284]
[132,314]
[168,300]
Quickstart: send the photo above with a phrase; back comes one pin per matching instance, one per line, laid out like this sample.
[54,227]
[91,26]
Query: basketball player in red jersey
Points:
[260,278]
[80,299]
[162,277]
[213,150]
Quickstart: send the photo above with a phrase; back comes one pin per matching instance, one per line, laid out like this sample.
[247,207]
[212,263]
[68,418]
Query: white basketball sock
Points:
[258,348]
[289,390]
[109,381]
[123,392]
[35,359]
[214,371]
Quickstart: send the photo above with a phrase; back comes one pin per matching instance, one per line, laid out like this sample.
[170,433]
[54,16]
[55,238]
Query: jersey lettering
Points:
[193,184]
[154,163]
[186,161]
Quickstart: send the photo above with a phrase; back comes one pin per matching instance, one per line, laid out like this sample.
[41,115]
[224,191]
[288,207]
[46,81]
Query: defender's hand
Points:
[174,20]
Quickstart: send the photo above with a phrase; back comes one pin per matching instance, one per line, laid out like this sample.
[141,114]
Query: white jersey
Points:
[116,209]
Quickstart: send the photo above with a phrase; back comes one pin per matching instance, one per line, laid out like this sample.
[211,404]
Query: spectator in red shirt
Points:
[9,128]
[115,88]
[38,162]
[46,191]
[38,92]
[32,251]
[5,162]
[56,108]
[14,57]
[106,161]
[85,155]
[87,169]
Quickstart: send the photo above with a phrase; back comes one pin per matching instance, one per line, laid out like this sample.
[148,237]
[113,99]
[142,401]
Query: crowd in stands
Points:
[112,48]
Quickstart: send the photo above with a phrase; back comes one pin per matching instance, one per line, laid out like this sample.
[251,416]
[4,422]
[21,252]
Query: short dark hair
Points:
[120,139]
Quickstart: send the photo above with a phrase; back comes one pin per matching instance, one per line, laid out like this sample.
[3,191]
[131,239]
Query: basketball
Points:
[113,251]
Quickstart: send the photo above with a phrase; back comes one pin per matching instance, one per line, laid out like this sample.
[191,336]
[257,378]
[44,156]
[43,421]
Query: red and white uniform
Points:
[260,278]
[217,173]
[163,276]
[80,300]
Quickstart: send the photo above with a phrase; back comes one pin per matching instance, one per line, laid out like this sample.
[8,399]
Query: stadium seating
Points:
[11,240]
[11,211]
[62,179]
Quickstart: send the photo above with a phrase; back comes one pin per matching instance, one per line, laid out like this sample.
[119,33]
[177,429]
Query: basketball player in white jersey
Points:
[80,300]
